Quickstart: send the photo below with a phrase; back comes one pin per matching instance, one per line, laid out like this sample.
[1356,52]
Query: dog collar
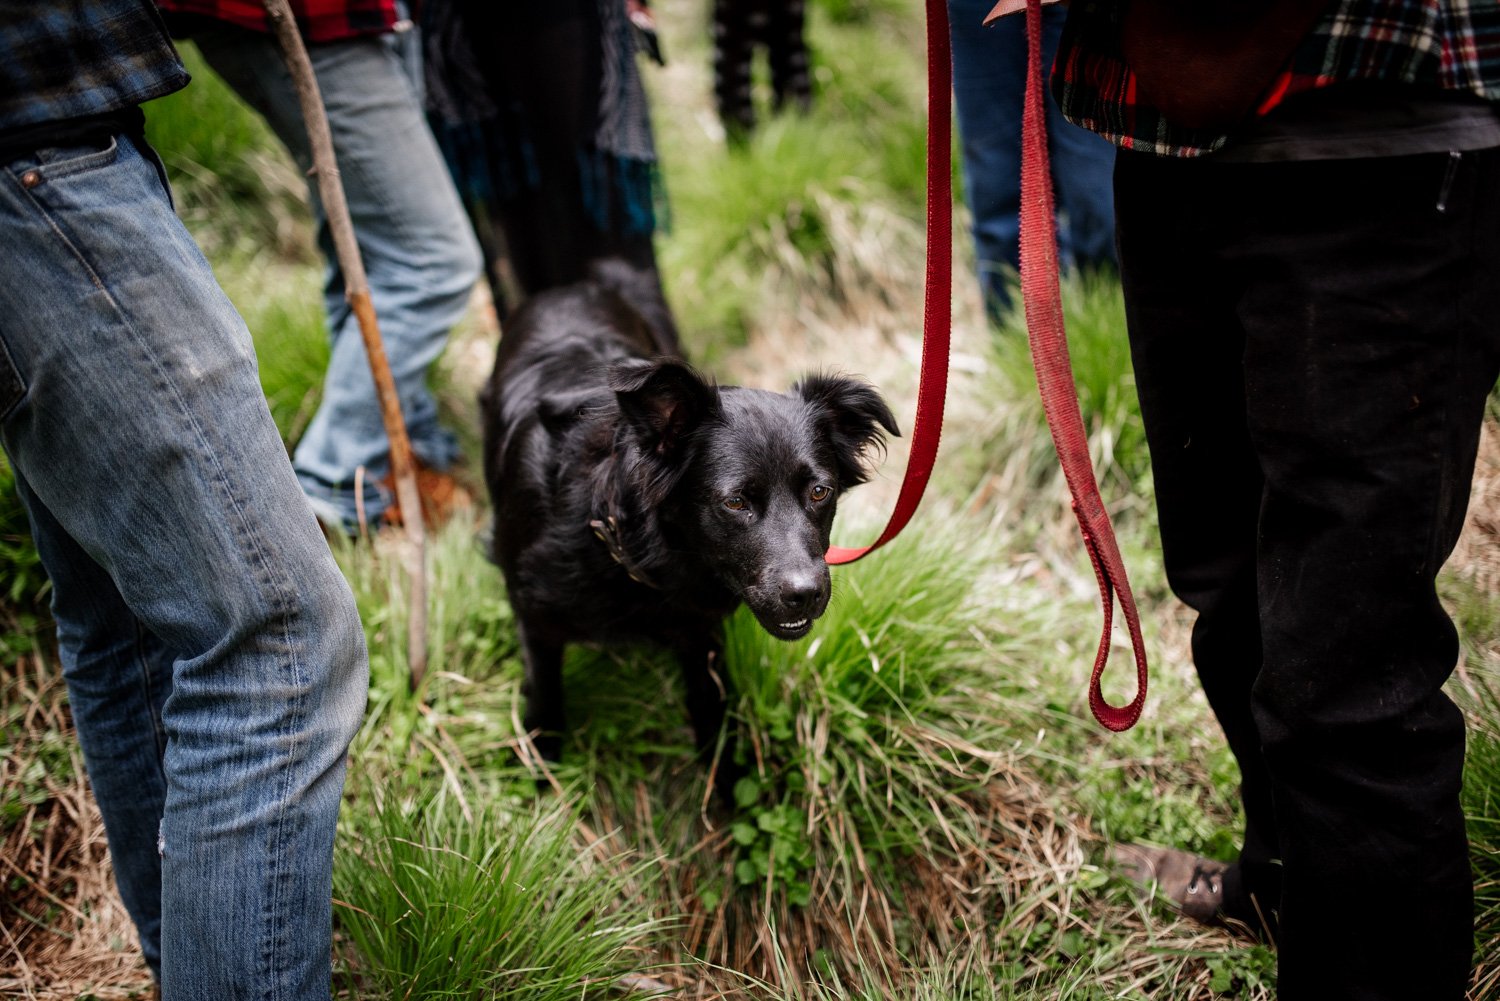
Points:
[608,532]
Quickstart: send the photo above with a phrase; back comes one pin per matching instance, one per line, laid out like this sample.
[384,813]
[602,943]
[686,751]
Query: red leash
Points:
[1042,296]
[1054,375]
[937,314]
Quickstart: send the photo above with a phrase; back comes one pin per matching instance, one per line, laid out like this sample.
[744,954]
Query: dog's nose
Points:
[799,593]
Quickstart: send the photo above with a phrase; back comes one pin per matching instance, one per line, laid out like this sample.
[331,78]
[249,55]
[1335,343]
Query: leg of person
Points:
[419,251]
[734,50]
[786,47]
[1187,345]
[989,78]
[1370,349]
[1082,170]
[119,676]
[143,439]
[550,72]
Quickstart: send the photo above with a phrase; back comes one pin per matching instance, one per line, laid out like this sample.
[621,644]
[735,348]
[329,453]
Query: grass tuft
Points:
[1481,800]
[498,902]
[1094,314]
[24,588]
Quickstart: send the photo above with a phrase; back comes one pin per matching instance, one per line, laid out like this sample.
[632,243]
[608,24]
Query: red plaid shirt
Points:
[1447,44]
[320,20]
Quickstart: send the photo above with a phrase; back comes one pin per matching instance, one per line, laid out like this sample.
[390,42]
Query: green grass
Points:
[1481,799]
[24,589]
[794,208]
[498,902]
[1094,314]
[232,181]
[849,727]
[860,724]
[1477,615]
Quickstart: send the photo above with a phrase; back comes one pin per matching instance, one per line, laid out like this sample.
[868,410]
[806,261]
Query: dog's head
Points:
[749,480]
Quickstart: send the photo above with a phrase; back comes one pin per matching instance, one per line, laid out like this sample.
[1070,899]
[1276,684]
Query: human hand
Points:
[1005,7]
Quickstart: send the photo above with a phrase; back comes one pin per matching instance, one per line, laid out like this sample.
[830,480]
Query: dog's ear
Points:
[853,415]
[664,401]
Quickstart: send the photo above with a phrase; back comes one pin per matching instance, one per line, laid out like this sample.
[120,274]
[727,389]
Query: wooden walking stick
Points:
[357,292]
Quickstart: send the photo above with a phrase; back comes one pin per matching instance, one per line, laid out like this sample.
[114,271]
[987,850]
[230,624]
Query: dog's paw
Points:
[548,747]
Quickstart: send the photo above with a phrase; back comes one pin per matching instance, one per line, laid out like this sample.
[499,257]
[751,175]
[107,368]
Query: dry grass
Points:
[65,932]
[1477,556]
[744,944]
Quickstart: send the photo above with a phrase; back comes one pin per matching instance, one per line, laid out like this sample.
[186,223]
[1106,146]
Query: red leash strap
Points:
[1049,345]
[1054,373]
[937,316]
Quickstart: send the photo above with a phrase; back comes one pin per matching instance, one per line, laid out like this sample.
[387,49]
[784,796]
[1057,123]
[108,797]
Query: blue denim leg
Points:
[418,249]
[989,82]
[119,675]
[213,654]
[1083,168]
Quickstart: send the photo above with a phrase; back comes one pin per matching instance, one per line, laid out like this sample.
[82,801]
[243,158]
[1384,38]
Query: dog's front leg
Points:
[708,694]
[542,654]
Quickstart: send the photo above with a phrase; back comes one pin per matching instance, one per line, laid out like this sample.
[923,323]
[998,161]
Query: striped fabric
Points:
[1436,44]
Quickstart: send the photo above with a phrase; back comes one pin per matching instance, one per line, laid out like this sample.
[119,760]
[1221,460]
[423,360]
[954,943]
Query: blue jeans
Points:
[418,249]
[213,655]
[989,81]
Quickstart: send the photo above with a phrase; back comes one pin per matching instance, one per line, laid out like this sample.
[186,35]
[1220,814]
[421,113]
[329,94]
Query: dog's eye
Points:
[735,503]
[819,493]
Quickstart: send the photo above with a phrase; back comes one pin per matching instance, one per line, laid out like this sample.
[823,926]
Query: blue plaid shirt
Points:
[62,59]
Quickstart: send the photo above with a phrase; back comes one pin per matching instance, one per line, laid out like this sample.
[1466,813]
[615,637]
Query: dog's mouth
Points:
[784,626]
[787,604]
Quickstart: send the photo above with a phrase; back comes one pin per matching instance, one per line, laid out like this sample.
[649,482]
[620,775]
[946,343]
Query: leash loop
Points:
[1042,295]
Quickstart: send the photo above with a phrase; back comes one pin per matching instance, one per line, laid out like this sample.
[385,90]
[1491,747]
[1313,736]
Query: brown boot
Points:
[1192,885]
[442,497]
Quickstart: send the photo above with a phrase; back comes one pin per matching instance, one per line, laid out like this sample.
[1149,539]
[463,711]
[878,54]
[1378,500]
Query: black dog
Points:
[633,500]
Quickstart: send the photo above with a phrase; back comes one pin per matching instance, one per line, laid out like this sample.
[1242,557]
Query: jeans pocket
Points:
[64,161]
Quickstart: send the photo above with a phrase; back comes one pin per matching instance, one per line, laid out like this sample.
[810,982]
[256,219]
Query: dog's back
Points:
[553,359]
[563,341]
[549,437]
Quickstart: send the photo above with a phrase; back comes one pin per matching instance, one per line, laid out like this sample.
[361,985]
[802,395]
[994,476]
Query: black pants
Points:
[1313,345]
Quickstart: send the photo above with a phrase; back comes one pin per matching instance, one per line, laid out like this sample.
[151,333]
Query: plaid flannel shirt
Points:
[1448,44]
[61,59]
[319,20]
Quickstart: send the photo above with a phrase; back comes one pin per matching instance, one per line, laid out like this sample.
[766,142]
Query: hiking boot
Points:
[1199,888]
[441,494]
